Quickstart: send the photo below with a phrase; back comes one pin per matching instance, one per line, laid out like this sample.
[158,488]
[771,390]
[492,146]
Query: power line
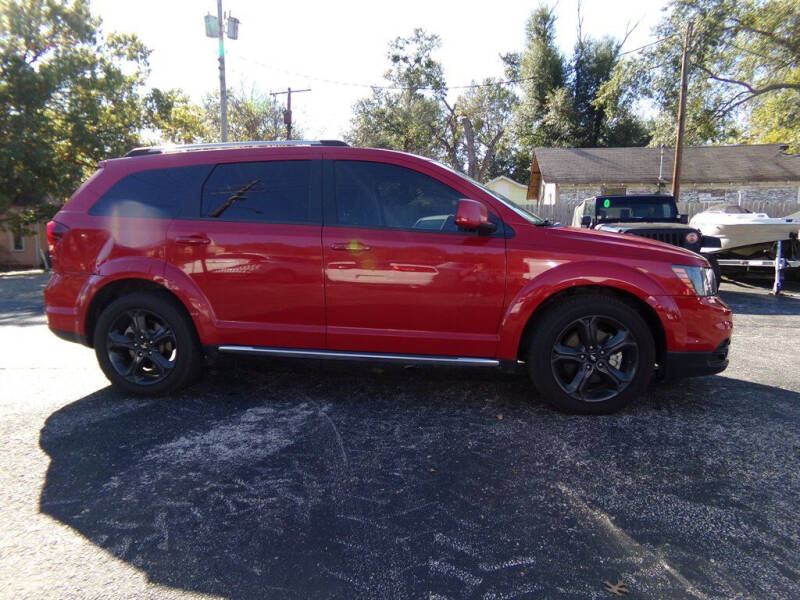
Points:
[648,45]
[403,88]
[379,87]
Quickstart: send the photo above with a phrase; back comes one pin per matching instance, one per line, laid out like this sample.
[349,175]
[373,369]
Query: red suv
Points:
[316,249]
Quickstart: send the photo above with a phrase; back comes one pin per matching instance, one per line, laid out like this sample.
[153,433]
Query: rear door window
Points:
[280,191]
[154,194]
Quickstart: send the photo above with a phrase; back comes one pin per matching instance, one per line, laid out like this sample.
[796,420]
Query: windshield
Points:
[528,216]
[631,208]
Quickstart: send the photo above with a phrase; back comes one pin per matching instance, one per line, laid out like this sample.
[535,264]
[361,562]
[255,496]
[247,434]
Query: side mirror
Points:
[472,214]
[586,221]
[684,219]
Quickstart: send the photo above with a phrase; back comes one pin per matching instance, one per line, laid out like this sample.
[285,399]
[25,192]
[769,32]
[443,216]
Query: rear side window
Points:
[272,192]
[155,193]
[370,194]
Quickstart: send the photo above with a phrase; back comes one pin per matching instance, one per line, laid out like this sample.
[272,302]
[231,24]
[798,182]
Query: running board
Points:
[376,356]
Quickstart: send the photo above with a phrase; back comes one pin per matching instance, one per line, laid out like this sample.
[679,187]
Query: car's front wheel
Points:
[591,354]
[146,345]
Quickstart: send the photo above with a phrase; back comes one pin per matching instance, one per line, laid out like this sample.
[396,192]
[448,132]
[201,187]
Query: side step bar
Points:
[376,356]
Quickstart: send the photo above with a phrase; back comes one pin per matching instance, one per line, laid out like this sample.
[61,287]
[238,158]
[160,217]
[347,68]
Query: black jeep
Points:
[651,216]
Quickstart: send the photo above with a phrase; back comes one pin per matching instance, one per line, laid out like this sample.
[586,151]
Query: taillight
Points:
[55,231]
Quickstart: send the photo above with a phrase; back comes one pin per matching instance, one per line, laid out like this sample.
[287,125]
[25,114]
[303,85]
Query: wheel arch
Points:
[118,288]
[645,310]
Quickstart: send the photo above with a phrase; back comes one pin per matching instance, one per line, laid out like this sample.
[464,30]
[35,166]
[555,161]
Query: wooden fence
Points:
[562,212]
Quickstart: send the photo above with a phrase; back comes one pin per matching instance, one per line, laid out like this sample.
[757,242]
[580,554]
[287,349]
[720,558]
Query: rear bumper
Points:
[64,300]
[697,364]
[70,336]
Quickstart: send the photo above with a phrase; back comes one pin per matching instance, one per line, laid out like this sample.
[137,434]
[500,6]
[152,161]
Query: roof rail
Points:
[144,150]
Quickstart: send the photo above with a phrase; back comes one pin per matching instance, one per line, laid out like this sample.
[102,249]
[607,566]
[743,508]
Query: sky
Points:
[300,44]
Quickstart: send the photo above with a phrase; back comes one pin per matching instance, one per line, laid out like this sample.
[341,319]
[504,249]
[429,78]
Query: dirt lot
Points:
[291,480]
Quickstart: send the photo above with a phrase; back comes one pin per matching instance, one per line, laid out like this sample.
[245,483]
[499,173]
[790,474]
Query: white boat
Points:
[738,228]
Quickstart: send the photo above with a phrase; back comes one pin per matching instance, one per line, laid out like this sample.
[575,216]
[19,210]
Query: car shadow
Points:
[282,479]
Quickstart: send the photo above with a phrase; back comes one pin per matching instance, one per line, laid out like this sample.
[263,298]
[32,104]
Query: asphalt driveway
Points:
[289,479]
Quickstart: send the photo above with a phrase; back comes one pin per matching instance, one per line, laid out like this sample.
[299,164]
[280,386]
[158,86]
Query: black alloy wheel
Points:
[591,353]
[594,358]
[142,346]
[146,344]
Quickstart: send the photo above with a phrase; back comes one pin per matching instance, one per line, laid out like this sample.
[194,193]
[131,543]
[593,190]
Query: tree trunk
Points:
[472,159]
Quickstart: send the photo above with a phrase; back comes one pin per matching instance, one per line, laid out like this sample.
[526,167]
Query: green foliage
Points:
[412,113]
[745,62]
[252,116]
[593,64]
[176,119]
[775,118]
[69,97]
[561,103]
[543,71]
[409,115]
[485,114]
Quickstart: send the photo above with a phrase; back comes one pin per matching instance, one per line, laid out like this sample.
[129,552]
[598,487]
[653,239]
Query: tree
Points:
[252,115]
[559,105]
[413,112]
[592,65]
[407,114]
[775,119]
[485,113]
[745,62]
[70,97]
[177,119]
[542,71]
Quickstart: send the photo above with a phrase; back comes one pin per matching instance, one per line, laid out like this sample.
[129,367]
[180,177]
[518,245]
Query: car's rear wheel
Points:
[146,345]
[591,354]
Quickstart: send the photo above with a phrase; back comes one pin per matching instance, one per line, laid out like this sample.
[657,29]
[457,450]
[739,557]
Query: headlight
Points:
[699,280]
[692,238]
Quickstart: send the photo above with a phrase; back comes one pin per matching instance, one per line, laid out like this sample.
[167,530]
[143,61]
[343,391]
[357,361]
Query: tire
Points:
[146,345]
[599,381]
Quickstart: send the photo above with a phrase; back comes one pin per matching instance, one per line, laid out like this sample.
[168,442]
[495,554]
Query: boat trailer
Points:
[779,263]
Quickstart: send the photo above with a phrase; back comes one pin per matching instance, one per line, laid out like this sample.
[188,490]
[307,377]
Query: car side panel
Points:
[261,280]
[411,292]
[414,293]
[261,283]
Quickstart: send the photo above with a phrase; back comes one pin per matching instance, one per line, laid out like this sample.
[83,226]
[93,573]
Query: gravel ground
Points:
[288,479]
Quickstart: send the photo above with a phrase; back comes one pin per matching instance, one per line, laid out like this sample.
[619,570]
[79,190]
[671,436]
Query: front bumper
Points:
[697,364]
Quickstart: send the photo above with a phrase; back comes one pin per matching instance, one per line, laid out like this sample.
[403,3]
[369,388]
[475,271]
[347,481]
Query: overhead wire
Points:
[422,88]
[376,86]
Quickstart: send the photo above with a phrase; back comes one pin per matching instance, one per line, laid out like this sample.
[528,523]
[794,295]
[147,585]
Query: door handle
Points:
[192,240]
[350,247]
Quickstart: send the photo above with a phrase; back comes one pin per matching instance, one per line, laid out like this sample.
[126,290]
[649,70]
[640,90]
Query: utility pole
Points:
[216,28]
[676,169]
[287,114]
[223,89]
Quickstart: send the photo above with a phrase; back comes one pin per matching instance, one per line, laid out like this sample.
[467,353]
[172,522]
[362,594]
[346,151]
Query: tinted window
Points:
[156,193]
[636,208]
[274,192]
[380,195]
